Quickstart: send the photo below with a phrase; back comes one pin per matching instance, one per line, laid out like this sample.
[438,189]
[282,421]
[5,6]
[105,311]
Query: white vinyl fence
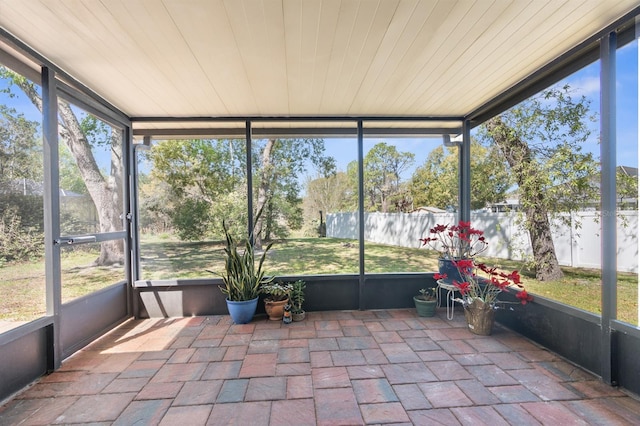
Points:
[577,245]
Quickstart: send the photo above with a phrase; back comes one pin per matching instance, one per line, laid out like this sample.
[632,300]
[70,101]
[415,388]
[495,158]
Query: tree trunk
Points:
[263,192]
[384,201]
[268,220]
[524,167]
[106,194]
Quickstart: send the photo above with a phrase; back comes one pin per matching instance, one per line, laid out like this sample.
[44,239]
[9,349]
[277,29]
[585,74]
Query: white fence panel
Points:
[628,242]
[577,244]
[588,248]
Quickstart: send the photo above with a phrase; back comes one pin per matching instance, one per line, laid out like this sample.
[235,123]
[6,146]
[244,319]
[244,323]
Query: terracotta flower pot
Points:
[275,310]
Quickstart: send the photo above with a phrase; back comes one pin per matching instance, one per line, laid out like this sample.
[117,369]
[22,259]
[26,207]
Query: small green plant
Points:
[297,296]
[428,294]
[242,281]
[276,291]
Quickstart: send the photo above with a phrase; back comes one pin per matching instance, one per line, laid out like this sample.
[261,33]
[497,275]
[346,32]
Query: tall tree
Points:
[204,180]
[541,141]
[383,166]
[105,191]
[282,161]
[435,183]
[20,150]
[265,195]
[328,194]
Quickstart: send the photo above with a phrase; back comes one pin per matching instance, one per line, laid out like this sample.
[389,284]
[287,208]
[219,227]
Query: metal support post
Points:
[248,143]
[361,303]
[464,183]
[51,201]
[608,201]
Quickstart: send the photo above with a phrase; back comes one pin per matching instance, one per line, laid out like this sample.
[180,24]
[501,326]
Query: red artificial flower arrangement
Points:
[486,290]
[459,241]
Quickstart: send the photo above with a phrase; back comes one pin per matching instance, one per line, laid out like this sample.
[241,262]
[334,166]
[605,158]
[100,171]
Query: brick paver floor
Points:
[334,368]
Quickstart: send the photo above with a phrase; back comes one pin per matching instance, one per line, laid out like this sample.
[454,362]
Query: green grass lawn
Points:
[22,286]
[298,256]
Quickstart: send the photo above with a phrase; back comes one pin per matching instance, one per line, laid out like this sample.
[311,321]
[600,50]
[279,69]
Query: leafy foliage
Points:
[105,191]
[384,189]
[212,173]
[97,132]
[276,291]
[20,149]
[541,141]
[191,218]
[427,294]
[326,194]
[435,183]
[627,190]
[28,208]
[18,242]
[153,196]
[192,182]
[297,296]
[70,178]
[554,127]
[277,184]
[383,166]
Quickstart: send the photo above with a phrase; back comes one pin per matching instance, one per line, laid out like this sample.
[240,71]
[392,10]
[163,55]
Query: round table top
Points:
[446,285]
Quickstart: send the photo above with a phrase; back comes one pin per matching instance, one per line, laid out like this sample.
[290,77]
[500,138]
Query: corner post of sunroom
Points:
[51,191]
[608,46]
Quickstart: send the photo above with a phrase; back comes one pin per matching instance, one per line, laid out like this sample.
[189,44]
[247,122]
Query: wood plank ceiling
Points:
[192,58]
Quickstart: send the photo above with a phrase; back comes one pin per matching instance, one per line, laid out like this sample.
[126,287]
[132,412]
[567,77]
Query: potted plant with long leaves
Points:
[241,278]
[297,300]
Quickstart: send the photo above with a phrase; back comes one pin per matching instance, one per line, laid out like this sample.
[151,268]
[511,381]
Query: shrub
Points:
[28,208]
[17,242]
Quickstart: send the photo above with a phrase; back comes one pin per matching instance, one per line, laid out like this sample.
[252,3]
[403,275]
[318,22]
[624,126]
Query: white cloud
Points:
[587,86]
